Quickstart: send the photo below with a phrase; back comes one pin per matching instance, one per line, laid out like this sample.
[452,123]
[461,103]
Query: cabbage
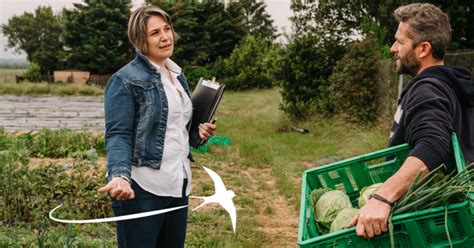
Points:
[315,195]
[343,219]
[329,205]
[366,192]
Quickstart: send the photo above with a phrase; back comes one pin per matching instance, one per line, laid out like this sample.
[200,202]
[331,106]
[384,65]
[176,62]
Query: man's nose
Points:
[394,48]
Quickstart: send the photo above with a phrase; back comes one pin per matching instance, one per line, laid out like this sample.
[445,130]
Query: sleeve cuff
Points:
[122,172]
[428,155]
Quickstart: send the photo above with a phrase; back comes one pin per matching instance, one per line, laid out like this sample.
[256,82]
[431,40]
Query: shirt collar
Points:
[170,64]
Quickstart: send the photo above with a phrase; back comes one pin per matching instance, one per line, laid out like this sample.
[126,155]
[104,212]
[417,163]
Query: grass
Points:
[254,123]
[55,89]
[264,162]
[8,86]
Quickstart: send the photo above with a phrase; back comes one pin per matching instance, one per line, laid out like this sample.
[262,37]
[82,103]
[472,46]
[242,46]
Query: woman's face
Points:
[159,39]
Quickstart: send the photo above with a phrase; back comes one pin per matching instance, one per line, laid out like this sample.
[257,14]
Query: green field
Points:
[263,166]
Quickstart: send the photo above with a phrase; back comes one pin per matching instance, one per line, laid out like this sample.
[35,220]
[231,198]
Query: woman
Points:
[147,116]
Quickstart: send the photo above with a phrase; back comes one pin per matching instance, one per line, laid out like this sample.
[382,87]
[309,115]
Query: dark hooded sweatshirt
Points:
[436,102]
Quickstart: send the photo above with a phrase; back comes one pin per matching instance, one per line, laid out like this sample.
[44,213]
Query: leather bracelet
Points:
[126,179]
[381,198]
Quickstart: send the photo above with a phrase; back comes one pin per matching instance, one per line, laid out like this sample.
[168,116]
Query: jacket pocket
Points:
[144,92]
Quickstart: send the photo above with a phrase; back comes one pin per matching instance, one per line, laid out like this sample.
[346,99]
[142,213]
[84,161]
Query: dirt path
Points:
[274,218]
[277,220]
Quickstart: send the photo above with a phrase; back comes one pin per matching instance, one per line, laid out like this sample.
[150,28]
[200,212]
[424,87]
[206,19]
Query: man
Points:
[439,100]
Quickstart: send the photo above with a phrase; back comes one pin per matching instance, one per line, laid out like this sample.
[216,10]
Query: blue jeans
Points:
[163,230]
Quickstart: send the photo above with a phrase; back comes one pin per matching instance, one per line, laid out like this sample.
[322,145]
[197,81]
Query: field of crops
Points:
[263,165]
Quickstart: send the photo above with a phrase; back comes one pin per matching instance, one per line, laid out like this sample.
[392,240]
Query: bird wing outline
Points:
[219,186]
[229,206]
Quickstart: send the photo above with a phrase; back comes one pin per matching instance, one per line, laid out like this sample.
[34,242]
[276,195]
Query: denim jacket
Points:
[136,113]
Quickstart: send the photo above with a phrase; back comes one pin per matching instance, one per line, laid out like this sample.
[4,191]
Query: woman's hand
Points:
[119,189]
[206,130]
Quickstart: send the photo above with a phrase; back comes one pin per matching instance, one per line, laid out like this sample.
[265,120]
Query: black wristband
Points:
[127,179]
[381,198]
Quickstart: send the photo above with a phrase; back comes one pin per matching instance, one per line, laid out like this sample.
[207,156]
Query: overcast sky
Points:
[278,9]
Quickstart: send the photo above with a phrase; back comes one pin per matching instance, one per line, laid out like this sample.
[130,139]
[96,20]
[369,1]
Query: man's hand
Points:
[372,219]
[119,189]
[206,130]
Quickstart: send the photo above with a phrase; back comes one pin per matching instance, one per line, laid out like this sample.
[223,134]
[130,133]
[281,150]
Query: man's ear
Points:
[424,49]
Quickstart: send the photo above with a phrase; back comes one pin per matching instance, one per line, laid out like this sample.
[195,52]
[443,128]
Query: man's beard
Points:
[408,64]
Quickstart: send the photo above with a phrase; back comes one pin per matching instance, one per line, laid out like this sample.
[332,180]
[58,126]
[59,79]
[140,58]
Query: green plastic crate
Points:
[425,228]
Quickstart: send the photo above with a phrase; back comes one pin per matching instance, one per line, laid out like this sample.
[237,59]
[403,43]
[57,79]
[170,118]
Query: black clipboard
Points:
[205,98]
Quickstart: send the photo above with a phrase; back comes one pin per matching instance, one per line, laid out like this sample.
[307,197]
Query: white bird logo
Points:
[222,196]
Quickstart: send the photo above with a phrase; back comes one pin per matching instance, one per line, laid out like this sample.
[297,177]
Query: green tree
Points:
[309,60]
[253,17]
[206,31]
[33,74]
[375,18]
[96,35]
[329,20]
[252,64]
[223,33]
[304,72]
[37,34]
[353,86]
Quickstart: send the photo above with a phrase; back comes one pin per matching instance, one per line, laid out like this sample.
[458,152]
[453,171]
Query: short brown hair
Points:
[137,25]
[426,23]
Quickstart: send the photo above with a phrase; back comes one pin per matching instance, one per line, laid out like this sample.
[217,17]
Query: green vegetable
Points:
[366,192]
[315,195]
[313,198]
[343,219]
[431,191]
[329,205]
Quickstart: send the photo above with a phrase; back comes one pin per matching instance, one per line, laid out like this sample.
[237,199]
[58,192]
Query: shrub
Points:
[193,74]
[33,74]
[251,65]
[353,86]
[304,72]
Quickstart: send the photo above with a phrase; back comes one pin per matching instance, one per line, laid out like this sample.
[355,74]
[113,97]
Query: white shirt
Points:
[168,180]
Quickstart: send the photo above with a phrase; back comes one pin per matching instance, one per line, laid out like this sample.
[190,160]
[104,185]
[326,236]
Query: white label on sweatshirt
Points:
[398,114]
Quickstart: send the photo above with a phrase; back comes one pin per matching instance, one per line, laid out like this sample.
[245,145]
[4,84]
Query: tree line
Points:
[325,68]
[93,35]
